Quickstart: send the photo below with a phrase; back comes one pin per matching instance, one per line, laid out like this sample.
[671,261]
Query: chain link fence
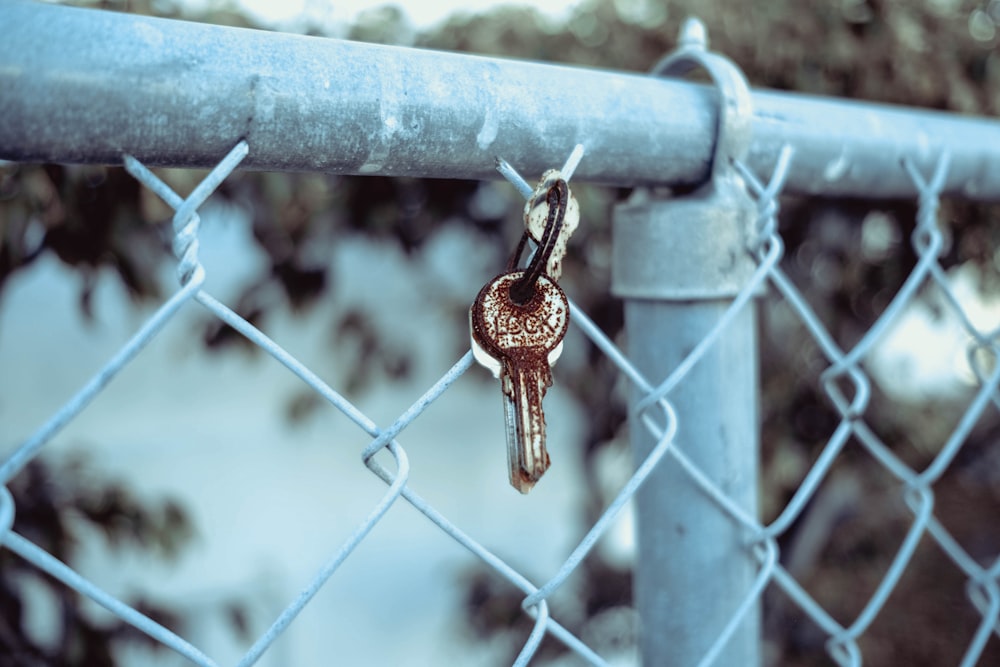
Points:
[844,381]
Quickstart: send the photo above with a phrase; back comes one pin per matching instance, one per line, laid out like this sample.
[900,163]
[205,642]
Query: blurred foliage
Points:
[86,216]
[933,53]
[60,507]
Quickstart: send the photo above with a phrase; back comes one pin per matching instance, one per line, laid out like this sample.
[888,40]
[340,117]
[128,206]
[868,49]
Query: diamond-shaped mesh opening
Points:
[931,594]
[848,534]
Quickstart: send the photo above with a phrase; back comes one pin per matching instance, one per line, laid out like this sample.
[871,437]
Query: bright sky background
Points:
[423,13]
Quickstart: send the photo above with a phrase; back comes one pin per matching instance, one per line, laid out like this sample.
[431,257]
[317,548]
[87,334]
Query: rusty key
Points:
[520,342]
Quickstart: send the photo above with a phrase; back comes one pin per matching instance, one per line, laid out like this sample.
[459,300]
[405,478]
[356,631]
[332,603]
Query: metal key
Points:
[519,343]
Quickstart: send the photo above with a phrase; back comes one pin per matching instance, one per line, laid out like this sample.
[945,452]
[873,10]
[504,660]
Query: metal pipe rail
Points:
[81,85]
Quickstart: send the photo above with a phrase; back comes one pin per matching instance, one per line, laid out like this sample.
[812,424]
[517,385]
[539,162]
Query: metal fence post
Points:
[692,567]
[678,264]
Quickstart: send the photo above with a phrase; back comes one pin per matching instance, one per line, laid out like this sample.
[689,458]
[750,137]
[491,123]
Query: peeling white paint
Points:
[837,169]
[491,127]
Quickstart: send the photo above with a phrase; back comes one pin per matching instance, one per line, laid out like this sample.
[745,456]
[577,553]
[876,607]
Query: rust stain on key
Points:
[523,339]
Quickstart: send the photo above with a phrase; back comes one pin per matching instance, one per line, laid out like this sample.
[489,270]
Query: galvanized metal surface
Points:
[681,263]
[83,85]
[692,570]
[692,247]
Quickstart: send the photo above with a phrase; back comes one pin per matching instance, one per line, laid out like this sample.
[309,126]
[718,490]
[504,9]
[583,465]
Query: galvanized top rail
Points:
[87,86]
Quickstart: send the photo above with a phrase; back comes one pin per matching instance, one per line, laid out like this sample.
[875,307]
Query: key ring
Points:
[557,199]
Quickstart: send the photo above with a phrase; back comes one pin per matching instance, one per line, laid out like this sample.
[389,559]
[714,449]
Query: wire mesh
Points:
[844,381]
